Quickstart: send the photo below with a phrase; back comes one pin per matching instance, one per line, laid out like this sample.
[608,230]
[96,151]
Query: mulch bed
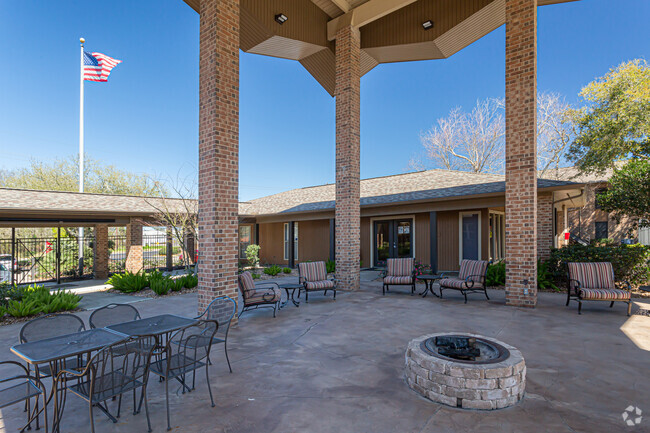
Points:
[10,320]
[148,293]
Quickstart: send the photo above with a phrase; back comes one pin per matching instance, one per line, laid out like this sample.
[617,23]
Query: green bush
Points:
[545,279]
[31,300]
[630,262]
[496,274]
[129,282]
[253,254]
[286,270]
[330,265]
[160,284]
[179,283]
[273,270]
[256,276]
[191,281]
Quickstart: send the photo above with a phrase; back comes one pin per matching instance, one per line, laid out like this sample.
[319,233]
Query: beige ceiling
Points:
[391,30]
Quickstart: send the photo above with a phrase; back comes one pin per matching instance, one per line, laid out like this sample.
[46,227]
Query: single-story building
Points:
[437,216]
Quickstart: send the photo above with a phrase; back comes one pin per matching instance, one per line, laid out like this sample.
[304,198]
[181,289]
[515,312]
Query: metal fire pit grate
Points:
[465,349]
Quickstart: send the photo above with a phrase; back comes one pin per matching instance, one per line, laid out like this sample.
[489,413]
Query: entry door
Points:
[392,239]
[470,236]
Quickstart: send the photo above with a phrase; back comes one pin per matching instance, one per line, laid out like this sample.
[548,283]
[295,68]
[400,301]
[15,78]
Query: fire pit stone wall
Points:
[462,384]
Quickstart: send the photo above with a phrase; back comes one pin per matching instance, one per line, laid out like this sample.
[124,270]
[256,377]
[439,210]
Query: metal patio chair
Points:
[472,277]
[23,386]
[112,314]
[595,282]
[258,295]
[106,376]
[221,310]
[52,325]
[313,277]
[399,272]
[186,351]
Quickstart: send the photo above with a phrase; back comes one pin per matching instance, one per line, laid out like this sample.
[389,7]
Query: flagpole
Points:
[81,151]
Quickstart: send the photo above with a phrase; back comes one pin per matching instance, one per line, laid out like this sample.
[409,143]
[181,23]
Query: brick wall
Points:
[101,252]
[134,246]
[348,85]
[218,149]
[544,225]
[521,153]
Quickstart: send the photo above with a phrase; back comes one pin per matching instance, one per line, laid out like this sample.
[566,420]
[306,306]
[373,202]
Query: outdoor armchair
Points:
[399,272]
[472,277]
[258,295]
[23,386]
[106,376]
[595,282]
[221,310]
[186,351]
[313,277]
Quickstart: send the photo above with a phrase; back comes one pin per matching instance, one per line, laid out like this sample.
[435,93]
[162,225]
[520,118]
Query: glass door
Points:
[392,239]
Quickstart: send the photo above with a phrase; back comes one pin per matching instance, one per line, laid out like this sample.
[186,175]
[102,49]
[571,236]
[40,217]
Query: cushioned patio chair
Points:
[595,282]
[472,277]
[260,295]
[313,277]
[399,272]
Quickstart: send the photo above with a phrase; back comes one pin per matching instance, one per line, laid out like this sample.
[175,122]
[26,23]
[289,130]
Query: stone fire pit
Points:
[444,368]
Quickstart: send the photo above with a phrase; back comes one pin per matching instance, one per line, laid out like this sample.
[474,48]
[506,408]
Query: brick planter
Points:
[466,385]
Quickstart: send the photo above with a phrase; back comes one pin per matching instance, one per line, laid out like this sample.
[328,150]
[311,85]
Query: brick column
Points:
[545,217]
[521,153]
[100,263]
[189,246]
[169,248]
[348,224]
[218,149]
[134,261]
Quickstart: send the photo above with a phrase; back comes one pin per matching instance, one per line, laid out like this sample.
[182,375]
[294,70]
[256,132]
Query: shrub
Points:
[545,279]
[255,276]
[253,254]
[496,274]
[421,269]
[179,283]
[630,262]
[28,301]
[191,281]
[129,282]
[286,270]
[160,284]
[273,270]
[330,265]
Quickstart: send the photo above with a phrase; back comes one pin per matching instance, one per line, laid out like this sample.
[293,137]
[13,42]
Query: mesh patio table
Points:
[156,325]
[55,350]
[293,287]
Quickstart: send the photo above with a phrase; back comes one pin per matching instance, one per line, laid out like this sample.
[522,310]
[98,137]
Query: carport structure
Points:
[338,41]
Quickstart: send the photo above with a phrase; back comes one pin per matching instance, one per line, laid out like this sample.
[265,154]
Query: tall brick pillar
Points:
[218,149]
[348,86]
[100,262]
[134,261]
[521,153]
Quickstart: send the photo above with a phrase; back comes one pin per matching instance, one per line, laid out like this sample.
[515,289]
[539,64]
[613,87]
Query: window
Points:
[598,192]
[286,241]
[601,230]
[244,240]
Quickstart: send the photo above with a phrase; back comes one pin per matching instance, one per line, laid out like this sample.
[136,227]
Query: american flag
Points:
[97,66]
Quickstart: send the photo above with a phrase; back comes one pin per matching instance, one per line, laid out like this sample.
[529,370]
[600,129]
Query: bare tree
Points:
[555,132]
[468,141]
[178,213]
[475,141]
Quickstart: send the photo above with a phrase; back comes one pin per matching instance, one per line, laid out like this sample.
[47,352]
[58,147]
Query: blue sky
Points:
[145,119]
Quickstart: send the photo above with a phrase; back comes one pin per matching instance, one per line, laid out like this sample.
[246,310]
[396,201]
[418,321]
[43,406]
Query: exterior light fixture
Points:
[280,18]
[427,25]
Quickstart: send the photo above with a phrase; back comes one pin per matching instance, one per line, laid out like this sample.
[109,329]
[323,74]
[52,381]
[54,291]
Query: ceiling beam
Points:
[364,14]
[342,4]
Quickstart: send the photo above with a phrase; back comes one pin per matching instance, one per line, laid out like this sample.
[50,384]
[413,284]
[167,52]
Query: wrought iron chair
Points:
[258,295]
[472,277]
[399,272]
[186,351]
[23,387]
[106,376]
[221,310]
[595,282]
[313,277]
[112,314]
[53,325]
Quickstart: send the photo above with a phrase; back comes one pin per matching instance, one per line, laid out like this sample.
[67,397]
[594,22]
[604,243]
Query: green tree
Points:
[629,192]
[63,175]
[615,123]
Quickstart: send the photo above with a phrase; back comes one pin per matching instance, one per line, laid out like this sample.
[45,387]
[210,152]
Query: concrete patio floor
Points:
[337,366]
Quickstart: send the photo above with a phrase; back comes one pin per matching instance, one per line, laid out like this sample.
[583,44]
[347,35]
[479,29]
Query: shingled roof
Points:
[408,187]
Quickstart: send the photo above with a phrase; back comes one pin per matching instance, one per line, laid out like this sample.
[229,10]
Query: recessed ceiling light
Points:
[428,24]
[280,18]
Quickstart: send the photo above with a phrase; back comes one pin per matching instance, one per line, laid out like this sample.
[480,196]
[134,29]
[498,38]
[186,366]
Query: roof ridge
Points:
[88,193]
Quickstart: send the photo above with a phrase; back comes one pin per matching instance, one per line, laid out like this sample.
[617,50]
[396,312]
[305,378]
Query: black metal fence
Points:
[160,251]
[116,253]
[38,259]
